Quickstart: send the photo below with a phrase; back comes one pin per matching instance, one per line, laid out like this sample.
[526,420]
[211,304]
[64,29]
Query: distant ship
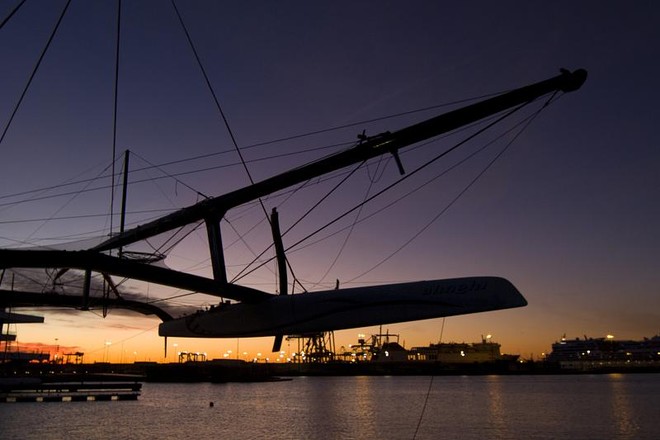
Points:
[381,349]
[461,353]
[606,352]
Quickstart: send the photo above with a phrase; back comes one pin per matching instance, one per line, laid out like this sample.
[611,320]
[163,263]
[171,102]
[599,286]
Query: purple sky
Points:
[569,213]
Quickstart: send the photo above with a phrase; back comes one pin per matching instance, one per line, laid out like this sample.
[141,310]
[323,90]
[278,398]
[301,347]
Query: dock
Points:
[35,390]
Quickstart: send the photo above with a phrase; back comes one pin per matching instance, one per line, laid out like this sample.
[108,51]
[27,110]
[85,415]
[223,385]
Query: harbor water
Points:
[451,407]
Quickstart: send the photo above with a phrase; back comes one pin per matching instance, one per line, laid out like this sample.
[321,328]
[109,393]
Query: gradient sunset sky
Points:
[569,212]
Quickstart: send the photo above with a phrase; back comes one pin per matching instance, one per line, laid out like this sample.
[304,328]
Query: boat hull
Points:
[348,308]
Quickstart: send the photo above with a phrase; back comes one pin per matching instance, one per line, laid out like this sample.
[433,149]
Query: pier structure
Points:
[36,390]
[10,352]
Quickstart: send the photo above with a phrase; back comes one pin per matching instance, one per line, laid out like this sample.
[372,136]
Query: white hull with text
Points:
[348,308]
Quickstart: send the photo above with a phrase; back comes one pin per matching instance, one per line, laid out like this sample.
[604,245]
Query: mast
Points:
[122,220]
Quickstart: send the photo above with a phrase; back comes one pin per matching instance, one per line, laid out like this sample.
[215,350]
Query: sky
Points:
[568,212]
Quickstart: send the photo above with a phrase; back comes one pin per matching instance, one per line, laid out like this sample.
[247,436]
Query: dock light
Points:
[610,337]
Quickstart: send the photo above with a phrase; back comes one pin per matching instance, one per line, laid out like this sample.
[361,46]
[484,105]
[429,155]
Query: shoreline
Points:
[219,371]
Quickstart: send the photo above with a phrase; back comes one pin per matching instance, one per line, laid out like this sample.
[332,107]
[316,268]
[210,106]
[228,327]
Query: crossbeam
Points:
[90,260]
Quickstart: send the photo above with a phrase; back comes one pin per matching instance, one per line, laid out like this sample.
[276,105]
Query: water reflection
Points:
[622,411]
[502,407]
[497,414]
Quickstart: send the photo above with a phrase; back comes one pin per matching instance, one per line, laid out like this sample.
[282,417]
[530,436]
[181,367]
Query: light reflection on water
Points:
[622,410]
[496,407]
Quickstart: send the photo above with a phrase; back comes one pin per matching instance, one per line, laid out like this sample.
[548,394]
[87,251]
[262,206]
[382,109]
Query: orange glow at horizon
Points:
[128,339]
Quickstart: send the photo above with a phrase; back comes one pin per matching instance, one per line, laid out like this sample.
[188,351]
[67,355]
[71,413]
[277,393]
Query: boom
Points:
[213,209]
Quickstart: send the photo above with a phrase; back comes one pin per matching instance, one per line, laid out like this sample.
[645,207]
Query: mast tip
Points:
[573,80]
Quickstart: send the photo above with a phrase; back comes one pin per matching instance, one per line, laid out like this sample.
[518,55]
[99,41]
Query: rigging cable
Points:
[419,187]
[462,192]
[356,220]
[241,237]
[101,175]
[222,114]
[407,176]
[426,401]
[213,94]
[529,121]
[57,211]
[404,178]
[243,273]
[159,249]
[211,168]
[260,144]
[369,121]
[114,117]
[387,188]
[172,176]
[80,216]
[6,19]
[34,71]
